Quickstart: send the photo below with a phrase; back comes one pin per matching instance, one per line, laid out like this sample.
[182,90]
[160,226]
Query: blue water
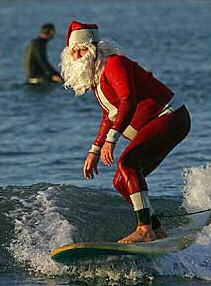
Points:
[46,133]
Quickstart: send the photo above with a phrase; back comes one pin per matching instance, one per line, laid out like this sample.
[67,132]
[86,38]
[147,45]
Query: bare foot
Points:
[141,234]
[160,233]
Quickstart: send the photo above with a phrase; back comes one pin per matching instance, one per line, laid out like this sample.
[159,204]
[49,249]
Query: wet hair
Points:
[47,27]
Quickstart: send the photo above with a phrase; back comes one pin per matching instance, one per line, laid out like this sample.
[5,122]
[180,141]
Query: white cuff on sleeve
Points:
[95,149]
[113,135]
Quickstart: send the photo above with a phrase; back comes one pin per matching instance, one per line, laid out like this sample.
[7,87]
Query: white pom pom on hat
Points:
[82,33]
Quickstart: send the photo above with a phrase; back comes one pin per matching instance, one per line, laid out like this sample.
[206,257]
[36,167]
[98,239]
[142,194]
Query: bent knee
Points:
[117,180]
[122,164]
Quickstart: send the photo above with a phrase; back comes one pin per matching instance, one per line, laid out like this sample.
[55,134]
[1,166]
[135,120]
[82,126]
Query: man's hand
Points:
[90,166]
[56,78]
[107,153]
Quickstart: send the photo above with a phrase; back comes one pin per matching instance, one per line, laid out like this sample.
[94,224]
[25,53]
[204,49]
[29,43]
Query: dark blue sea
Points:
[46,132]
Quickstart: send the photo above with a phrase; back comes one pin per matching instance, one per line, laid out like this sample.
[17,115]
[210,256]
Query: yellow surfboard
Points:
[85,251]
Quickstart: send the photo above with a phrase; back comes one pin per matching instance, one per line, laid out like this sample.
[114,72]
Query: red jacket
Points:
[129,96]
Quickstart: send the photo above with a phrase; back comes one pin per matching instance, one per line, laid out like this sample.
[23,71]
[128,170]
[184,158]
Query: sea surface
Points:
[46,132]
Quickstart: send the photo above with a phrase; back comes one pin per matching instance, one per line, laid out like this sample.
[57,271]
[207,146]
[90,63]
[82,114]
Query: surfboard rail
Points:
[82,250]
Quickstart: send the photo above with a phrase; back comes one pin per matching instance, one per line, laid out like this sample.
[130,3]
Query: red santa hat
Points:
[79,32]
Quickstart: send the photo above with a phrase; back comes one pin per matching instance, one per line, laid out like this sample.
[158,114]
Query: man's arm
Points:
[105,126]
[90,164]
[119,73]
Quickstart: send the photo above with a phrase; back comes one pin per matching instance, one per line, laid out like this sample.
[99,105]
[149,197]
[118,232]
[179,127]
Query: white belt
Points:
[174,104]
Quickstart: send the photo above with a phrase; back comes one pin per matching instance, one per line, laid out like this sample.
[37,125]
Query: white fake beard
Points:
[78,74]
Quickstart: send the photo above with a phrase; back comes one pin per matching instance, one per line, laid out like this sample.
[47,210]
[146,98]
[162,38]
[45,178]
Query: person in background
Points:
[37,67]
[135,105]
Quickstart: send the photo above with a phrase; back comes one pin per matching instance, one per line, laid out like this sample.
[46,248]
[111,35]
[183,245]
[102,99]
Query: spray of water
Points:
[195,261]
[41,225]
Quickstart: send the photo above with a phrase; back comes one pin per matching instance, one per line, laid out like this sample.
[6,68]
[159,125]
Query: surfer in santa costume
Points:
[135,105]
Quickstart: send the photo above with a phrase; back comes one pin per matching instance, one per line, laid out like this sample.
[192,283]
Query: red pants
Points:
[147,150]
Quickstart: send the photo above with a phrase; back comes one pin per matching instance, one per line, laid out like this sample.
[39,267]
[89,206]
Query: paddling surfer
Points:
[37,67]
[135,105]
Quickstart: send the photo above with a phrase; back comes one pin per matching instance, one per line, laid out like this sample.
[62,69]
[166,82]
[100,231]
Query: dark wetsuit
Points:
[36,62]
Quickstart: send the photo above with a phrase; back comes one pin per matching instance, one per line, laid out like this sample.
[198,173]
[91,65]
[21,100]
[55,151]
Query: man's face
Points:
[78,52]
[51,34]
[78,67]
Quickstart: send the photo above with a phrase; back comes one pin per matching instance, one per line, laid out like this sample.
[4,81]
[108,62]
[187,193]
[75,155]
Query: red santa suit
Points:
[141,108]
[138,106]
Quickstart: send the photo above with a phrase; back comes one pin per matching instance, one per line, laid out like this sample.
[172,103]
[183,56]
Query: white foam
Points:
[38,230]
[197,191]
[43,227]
[195,261]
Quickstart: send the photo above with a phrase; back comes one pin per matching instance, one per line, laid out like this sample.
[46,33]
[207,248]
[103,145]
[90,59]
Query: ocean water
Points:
[46,133]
